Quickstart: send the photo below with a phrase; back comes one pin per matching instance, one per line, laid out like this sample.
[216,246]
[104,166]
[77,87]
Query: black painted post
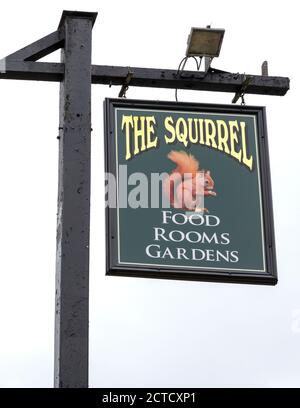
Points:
[73,220]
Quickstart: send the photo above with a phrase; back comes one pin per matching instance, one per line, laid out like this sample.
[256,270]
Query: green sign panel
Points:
[188,192]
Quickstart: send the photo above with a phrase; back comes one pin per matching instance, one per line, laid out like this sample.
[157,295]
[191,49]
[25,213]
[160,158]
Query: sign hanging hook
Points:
[241,92]
[125,86]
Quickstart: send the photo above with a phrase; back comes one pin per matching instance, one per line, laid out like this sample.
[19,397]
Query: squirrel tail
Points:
[186,163]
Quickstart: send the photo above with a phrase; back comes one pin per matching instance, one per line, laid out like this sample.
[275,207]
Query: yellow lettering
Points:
[223,136]
[193,138]
[210,133]
[127,122]
[201,131]
[234,140]
[139,134]
[169,126]
[150,121]
[226,136]
[248,161]
[183,132]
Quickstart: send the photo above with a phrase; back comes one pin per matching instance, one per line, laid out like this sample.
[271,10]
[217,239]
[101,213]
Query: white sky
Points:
[144,332]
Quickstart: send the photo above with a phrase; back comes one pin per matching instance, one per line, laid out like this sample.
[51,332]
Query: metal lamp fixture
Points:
[205,42]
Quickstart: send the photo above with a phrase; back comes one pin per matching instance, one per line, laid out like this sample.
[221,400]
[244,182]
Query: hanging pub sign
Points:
[188,192]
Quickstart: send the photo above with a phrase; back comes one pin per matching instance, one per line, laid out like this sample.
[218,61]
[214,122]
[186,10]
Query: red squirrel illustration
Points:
[187,183]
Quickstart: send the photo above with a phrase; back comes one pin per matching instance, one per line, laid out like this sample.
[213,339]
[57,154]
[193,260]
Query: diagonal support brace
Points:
[39,48]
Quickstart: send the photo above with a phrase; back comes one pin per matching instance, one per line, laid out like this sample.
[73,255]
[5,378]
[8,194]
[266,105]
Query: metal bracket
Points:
[241,92]
[125,86]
